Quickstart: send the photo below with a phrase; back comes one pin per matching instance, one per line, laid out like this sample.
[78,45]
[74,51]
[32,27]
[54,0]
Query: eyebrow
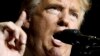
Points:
[55,5]
[74,9]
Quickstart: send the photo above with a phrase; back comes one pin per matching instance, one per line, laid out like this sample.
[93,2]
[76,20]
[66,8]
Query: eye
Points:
[53,10]
[74,13]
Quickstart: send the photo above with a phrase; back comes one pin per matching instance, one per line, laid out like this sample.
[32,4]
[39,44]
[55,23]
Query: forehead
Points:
[64,3]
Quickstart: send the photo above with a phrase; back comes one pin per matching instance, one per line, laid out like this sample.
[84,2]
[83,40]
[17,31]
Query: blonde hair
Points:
[85,5]
[28,4]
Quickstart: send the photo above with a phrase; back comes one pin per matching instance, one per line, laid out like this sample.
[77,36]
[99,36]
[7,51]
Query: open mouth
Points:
[66,36]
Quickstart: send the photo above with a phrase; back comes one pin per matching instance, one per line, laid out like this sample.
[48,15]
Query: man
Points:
[44,18]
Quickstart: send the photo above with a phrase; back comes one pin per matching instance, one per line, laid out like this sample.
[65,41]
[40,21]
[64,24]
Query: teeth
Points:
[61,28]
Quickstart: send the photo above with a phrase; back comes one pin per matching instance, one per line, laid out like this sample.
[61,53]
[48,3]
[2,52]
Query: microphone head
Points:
[67,36]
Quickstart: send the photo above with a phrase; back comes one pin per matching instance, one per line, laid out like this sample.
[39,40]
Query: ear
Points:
[23,21]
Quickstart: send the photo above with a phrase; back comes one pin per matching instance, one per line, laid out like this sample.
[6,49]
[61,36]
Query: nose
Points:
[62,23]
[64,19]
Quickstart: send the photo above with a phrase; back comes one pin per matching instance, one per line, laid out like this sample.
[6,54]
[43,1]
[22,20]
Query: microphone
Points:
[81,44]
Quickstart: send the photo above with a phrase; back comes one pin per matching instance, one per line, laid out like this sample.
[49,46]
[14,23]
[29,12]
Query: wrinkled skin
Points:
[12,39]
[49,17]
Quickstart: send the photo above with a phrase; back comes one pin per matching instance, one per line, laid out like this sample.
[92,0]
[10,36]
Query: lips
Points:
[59,41]
[67,35]
[59,29]
[59,35]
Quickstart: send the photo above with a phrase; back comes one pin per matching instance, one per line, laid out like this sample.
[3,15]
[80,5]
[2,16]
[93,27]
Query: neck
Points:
[35,46]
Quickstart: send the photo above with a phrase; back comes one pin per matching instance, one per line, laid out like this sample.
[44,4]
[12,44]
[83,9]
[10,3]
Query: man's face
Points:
[52,16]
[55,15]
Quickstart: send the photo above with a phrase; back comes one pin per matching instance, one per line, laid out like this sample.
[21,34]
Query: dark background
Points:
[9,10]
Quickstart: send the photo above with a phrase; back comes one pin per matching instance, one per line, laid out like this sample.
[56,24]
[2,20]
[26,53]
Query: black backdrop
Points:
[9,10]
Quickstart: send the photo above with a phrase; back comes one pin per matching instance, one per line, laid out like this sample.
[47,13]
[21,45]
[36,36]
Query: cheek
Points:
[73,25]
[50,23]
[44,24]
[50,17]
[51,20]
